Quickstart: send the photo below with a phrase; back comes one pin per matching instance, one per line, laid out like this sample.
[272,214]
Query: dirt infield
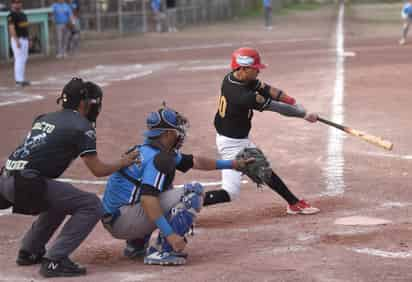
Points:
[365,83]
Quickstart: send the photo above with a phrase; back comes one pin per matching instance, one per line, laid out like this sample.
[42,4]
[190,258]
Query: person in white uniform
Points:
[19,38]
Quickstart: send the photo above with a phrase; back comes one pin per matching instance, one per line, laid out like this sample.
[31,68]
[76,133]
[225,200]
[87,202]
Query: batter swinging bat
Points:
[375,140]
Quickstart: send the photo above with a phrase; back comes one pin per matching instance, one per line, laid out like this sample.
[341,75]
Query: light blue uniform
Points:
[120,191]
[62,13]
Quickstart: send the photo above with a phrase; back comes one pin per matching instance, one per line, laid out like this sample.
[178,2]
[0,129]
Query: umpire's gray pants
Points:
[133,222]
[64,199]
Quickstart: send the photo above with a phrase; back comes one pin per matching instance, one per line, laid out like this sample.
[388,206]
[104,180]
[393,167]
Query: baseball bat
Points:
[375,140]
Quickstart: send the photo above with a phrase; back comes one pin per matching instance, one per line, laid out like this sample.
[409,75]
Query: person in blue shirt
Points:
[63,18]
[139,199]
[406,14]
[159,15]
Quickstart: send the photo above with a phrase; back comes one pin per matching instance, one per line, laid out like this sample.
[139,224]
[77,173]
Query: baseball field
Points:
[343,62]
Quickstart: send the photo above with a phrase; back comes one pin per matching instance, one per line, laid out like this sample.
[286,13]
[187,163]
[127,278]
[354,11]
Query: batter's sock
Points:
[277,185]
[216,197]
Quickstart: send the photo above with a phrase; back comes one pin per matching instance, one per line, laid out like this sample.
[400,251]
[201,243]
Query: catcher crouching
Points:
[141,198]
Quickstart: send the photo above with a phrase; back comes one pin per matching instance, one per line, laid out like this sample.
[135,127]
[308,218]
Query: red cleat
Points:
[301,207]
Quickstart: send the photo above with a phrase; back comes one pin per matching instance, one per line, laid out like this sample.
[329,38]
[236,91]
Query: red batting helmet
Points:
[246,57]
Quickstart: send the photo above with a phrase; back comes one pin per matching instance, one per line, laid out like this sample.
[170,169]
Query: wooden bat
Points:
[375,140]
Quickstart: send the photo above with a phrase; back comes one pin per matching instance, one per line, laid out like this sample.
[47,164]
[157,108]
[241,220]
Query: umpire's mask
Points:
[76,90]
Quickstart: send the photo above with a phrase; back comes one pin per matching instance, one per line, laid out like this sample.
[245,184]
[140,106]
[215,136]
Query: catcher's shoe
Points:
[152,249]
[164,258]
[136,248]
[301,207]
[25,258]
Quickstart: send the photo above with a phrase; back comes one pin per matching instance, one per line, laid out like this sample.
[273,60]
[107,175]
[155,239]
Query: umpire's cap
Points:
[76,90]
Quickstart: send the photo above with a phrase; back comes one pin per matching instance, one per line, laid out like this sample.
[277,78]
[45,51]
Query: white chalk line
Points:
[381,253]
[103,75]
[388,155]
[333,171]
[16,97]
[104,182]
[199,47]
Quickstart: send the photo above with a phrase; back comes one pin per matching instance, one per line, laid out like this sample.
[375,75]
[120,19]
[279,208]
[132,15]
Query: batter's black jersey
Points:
[235,109]
[19,20]
[55,140]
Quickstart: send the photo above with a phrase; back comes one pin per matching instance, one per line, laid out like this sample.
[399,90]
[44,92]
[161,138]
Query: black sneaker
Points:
[25,258]
[61,268]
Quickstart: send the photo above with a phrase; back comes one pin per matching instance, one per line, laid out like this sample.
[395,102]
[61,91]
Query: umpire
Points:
[27,180]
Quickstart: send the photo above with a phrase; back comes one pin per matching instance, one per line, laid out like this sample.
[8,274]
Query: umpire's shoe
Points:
[61,268]
[25,258]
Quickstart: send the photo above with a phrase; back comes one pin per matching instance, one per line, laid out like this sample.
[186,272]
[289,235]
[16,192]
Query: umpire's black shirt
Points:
[235,109]
[54,141]
[19,20]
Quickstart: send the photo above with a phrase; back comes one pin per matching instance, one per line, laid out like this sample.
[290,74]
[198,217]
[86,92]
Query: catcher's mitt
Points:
[260,169]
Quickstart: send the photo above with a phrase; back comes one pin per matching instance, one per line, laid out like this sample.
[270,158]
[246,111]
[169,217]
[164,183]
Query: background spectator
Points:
[74,31]
[407,19]
[171,15]
[267,7]
[159,16]
[19,37]
[63,17]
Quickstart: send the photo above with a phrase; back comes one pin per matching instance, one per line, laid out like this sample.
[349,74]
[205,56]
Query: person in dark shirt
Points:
[242,94]
[19,37]
[28,184]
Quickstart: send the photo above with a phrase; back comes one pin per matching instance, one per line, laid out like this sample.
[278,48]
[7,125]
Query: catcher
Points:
[241,94]
[141,198]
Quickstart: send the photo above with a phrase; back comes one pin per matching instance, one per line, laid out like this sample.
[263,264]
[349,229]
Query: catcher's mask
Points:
[166,119]
[76,90]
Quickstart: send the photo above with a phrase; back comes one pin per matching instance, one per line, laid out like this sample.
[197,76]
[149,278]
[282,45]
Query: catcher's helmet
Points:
[166,119]
[246,57]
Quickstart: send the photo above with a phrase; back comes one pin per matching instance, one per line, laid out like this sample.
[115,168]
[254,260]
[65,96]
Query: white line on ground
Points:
[103,75]
[387,155]
[335,161]
[18,97]
[196,47]
[103,182]
[381,253]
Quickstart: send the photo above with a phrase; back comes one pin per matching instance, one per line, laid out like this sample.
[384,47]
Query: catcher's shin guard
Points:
[181,219]
[183,215]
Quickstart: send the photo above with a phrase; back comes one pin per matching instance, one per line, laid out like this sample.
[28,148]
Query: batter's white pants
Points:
[20,57]
[228,149]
